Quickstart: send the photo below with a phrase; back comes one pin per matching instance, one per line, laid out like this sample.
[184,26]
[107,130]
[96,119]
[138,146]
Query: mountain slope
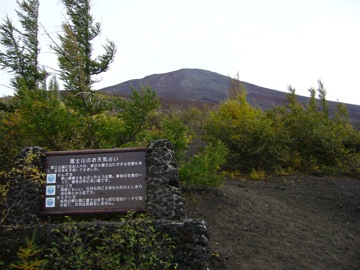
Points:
[194,85]
[210,87]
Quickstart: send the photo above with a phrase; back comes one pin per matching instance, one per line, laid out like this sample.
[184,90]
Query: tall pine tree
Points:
[21,47]
[75,54]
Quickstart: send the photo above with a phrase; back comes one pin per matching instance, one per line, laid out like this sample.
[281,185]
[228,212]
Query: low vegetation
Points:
[133,243]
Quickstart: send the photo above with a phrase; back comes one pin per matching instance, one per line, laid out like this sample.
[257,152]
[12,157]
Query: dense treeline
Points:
[285,139]
[294,137]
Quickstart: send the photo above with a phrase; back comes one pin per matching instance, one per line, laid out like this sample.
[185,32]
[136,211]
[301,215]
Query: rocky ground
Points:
[292,222]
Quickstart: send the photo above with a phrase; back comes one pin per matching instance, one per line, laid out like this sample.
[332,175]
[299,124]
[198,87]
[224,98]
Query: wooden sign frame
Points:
[94,181]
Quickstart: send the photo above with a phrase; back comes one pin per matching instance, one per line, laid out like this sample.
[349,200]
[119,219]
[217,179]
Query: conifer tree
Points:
[53,84]
[75,54]
[236,88]
[21,47]
[322,96]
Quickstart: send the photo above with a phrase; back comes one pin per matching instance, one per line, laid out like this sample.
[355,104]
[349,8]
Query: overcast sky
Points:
[269,43]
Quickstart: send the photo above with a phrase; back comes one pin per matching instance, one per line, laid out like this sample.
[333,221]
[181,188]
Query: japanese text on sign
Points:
[98,180]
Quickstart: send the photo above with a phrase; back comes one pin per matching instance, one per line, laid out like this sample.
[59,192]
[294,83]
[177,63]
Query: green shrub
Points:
[203,169]
[253,139]
[318,140]
[194,118]
[134,244]
[26,170]
[173,129]
[135,114]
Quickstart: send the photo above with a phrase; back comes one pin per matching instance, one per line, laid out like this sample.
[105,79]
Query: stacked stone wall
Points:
[164,204]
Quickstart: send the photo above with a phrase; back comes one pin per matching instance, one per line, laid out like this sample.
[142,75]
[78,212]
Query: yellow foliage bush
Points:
[257,174]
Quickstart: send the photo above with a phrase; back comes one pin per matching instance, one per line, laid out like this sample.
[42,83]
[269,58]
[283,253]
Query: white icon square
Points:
[50,202]
[51,178]
[50,190]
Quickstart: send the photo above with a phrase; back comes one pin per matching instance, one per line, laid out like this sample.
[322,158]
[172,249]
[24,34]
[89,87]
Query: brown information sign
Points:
[95,181]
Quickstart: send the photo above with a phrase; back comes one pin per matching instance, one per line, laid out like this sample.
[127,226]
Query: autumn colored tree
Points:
[250,136]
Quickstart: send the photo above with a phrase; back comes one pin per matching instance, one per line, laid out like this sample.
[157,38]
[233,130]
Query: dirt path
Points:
[297,222]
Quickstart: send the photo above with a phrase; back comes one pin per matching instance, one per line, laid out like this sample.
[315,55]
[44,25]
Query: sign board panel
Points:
[95,181]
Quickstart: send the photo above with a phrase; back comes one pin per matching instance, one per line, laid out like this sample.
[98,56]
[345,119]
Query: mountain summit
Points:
[197,85]
[209,87]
